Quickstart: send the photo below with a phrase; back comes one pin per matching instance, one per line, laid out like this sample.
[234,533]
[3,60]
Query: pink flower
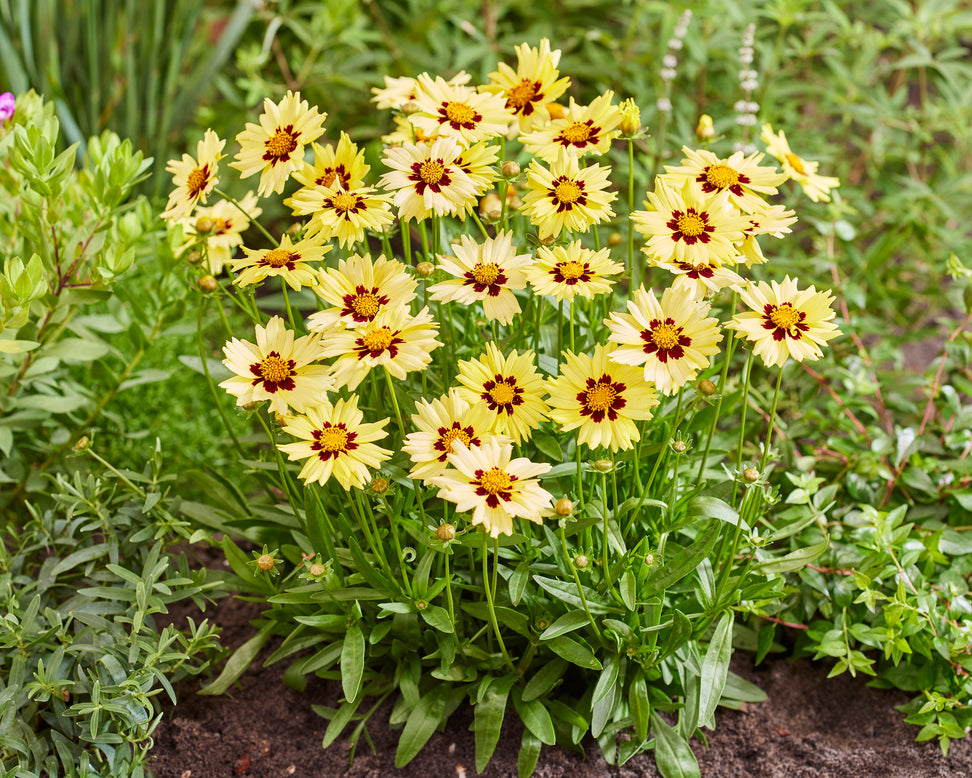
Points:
[7,105]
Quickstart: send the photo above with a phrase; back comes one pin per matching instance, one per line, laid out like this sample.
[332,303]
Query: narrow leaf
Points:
[673,756]
[421,723]
[238,662]
[353,662]
[488,719]
[684,562]
[715,665]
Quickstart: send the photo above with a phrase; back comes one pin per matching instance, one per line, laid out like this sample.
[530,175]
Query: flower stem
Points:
[490,592]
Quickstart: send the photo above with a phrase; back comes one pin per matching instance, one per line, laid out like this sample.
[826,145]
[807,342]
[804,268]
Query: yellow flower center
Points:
[196,181]
[327,179]
[502,393]
[577,132]
[495,481]
[521,95]
[721,176]
[378,340]
[281,144]
[220,226]
[277,257]
[796,163]
[665,336]
[453,434]
[571,270]
[365,305]
[344,202]
[567,192]
[333,439]
[274,369]
[691,224]
[600,398]
[486,273]
[431,172]
[784,316]
[460,113]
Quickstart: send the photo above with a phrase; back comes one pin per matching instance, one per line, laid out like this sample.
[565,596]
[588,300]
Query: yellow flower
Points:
[359,289]
[486,272]
[533,84]
[440,422]
[274,148]
[601,398]
[509,387]
[702,280]
[740,176]
[226,224]
[288,261]
[394,340]
[342,214]
[277,368]
[803,171]
[342,167]
[334,441]
[495,487]
[784,321]
[460,112]
[428,180]
[671,338]
[567,196]
[584,130]
[773,220]
[398,91]
[567,271]
[195,178]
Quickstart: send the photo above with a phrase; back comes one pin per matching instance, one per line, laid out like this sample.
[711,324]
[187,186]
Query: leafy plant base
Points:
[810,726]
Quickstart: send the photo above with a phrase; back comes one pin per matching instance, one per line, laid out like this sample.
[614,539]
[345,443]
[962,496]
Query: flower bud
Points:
[421,604]
[491,207]
[649,559]
[581,562]
[266,562]
[564,507]
[751,475]
[207,284]
[83,443]
[445,532]
[679,446]
[705,130]
[549,240]
[603,465]
[614,239]
[424,269]
[379,485]
[556,111]
[411,107]
[317,569]
[194,257]
[630,118]
[510,169]
[707,387]
[204,224]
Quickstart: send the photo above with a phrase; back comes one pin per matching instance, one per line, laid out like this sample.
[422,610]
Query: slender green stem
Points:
[572,347]
[577,583]
[730,347]
[490,594]
[290,311]
[137,489]
[630,268]
[772,421]
[250,218]
[479,223]
[407,242]
[209,379]
[393,523]
[449,601]
[605,542]
[742,422]
[394,399]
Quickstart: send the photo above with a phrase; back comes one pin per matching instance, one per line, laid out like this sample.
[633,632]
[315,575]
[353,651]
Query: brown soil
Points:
[810,726]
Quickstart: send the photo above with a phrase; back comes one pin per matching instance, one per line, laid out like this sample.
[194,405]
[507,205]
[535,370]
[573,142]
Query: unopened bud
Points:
[549,240]
[445,532]
[194,257]
[424,269]
[421,604]
[705,130]
[751,475]
[581,561]
[491,206]
[707,387]
[266,562]
[603,465]
[204,224]
[316,569]
[379,485]
[510,169]
[542,624]
[679,446]
[614,239]
[556,111]
[207,283]
[649,559]
[82,444]
[630,118]
[564,507]
[411,107]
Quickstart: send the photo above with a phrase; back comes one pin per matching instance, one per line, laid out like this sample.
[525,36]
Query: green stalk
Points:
[490,594]
[253,222]
[730,347]
[742,421]
[393,522]
[406,242]
[577,583]
[394,399]
[209,379]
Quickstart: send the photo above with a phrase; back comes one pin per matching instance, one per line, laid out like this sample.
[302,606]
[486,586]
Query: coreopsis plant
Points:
[508,464]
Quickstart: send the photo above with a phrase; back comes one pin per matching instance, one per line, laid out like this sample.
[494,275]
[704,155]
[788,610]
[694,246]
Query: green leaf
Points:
[353,662]
[544,679]
[566,623]
[715,665]
[526,760]
[683,563]
[240,660]
[488,714]
[548,445]
[673,756]
[78,558]
[714,508]
[574,652]
[740,689]
[338,721]
[606,681]
[794,560]
[640,706]
[421,723]
[437,618]
[518,581]
[536,718]
[567,592]
[76,350]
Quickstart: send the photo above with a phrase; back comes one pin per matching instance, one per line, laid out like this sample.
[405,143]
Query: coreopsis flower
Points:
[509,387]
[687,225]
[342,214]
[359,289]
[478,162]
[335,441]
[702,280]
[460,112]
[495,487]
[486,272]
[586,129]
[278,368]
[440,422]
[672,338]
[803,171]
[195,178]
[274,148]
[741,176]
[774,220]
[398,91]
[566,195]
[784,321]
[601,399]
[342,166]
[393,339]
[535,83]
[567,271]
[224,224]
[426,179]
[289,261]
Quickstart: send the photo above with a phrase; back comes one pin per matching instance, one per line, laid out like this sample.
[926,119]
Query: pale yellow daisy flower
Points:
[342,214]
[803,171]
[334,441]
[341,166]
[398,91]
[702,280]
[222,225]
[495,487]
[459,112]
[785,322]
[289,261]
[486,272]
[358,289]
[774,220]
[427,180]
[567,271]
[535,83]
[739,175]
[586,129]
[274,148]
[195,178]
[278,368]
[672,338]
